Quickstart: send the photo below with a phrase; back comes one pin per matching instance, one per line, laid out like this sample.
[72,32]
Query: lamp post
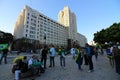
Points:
[44,38]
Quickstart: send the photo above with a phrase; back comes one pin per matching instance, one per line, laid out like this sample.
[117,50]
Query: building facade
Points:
[81,40]
[68,19]
[34,25]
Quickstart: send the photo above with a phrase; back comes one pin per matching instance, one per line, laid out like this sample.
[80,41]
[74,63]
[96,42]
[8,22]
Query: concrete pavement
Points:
[102,70]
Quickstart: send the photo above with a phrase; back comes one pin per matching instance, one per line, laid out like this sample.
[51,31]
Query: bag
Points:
[92,52]
[36,64]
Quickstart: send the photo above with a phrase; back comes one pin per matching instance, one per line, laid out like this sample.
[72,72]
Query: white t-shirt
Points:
[72,51]
[111,49]
[30,62]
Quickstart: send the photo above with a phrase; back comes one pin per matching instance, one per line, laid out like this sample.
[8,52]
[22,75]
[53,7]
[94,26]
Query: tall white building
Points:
[34,25]
[68,19]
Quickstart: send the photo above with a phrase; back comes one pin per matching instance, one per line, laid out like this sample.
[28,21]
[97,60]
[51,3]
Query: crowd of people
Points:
[86,53]
[113,53]
[22,64]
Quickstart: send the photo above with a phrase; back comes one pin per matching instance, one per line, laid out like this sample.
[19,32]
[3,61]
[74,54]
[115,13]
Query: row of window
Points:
[43,19]
[53,36]
[53,29]
[46,28]
[48,39]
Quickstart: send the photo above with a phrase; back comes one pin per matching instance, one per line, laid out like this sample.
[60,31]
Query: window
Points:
[34,16]
[33,28]
[28,14]
[26,26]
[33,24]
[27,22]
[26,30]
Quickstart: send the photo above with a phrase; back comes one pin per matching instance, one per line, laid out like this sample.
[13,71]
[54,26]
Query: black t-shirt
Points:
[44,53]
[5,51]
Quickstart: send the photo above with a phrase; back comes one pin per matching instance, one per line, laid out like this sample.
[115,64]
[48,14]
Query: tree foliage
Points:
[5,37]
[111,34]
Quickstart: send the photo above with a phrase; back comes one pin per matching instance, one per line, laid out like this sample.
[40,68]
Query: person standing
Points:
[72,51]
[110,56]
[89,56]
[96,53]
[61,52]
[4,54]
[85,57]
[116,52]
[79,58]
[44,56]
[52,55]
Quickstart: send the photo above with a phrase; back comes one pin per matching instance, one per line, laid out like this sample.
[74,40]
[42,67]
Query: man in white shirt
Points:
[52,55]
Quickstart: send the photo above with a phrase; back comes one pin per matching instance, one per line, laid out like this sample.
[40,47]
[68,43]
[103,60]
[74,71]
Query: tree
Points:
[5,37]
[112,34]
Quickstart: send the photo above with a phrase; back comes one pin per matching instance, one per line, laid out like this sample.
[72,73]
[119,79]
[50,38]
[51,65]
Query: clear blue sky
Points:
[91,15]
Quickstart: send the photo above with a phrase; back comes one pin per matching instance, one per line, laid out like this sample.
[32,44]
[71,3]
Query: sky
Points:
[91,15]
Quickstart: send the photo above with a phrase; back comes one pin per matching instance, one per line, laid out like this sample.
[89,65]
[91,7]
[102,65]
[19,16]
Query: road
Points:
[102,70]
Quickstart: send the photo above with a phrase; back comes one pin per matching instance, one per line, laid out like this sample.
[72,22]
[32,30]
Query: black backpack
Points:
[92,52]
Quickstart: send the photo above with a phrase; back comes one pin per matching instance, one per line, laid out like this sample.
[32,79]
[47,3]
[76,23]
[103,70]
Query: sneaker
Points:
[90,71]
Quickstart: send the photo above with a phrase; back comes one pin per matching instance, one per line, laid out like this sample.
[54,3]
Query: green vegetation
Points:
[111,34]
[5,37]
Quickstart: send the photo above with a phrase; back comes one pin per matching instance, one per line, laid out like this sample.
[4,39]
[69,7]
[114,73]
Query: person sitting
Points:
[37,64]
[20,67]
[34,64]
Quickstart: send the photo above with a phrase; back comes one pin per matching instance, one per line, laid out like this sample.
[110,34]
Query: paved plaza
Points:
[102,70]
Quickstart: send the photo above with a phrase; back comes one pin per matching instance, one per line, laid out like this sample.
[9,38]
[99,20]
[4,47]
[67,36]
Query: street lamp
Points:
[44,38]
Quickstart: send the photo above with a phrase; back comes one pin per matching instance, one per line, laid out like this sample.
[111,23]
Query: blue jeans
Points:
[62,61]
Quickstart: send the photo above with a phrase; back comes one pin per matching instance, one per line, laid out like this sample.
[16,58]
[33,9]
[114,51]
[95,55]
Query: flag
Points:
[3,46]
